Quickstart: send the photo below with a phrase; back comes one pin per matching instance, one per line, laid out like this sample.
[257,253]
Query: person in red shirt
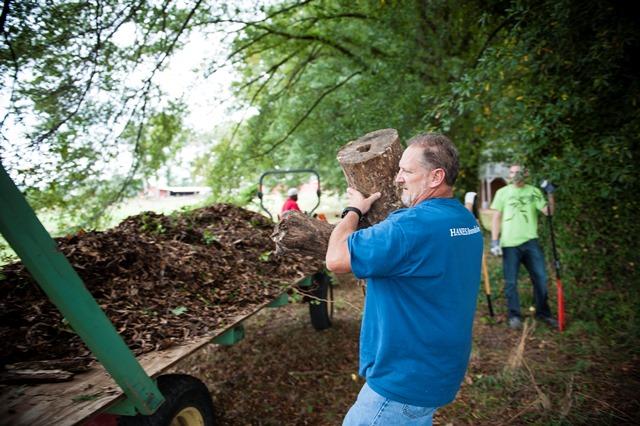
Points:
[292,201]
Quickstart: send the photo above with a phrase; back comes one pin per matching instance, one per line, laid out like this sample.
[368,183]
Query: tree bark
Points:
[302,234]
[370,164]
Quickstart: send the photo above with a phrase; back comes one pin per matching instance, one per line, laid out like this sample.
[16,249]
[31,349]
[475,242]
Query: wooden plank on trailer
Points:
[69,403]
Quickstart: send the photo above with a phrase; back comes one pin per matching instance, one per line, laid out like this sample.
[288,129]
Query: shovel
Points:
[556,264]
[470,202]
[549,188]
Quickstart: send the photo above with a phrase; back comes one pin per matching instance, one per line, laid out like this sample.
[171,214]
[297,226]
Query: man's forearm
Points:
[338,258]
[495,225]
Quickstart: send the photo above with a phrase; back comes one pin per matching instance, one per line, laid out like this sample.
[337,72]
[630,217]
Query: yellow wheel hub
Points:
[189,416]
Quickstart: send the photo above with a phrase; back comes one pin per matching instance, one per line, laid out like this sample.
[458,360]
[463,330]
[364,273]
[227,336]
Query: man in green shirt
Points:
[516,220]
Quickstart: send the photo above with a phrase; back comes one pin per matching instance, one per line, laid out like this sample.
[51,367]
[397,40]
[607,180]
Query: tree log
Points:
[370,164]
[302,234]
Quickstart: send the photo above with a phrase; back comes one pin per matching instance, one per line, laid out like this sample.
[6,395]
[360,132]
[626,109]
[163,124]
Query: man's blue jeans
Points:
[372,409]
[529,254]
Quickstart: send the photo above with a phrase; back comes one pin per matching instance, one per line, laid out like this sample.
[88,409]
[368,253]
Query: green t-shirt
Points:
[519,208]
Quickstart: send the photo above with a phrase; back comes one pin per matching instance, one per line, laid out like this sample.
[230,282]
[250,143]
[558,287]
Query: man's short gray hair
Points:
[438,152]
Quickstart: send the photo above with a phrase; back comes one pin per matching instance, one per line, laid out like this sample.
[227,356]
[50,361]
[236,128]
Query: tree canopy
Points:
[321,73]
[552,84]
[549,84]
[83,118]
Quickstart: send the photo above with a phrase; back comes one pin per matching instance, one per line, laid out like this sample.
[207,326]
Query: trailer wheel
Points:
[321,304]
[188,403]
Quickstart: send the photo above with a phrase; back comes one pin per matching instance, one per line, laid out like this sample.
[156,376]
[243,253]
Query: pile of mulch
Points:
[160,279]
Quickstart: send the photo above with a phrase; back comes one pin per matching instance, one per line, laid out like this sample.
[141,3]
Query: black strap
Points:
[352,209]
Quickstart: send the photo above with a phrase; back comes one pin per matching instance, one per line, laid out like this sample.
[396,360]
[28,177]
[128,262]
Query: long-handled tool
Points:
[549,188]
[471,203]
[556,264]
[487,284]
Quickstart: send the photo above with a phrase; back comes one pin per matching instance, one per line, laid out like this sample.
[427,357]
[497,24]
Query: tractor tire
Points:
[187,403]
[321,311]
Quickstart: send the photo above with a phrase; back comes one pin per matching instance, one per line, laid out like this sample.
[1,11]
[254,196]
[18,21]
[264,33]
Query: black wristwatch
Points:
[352,209]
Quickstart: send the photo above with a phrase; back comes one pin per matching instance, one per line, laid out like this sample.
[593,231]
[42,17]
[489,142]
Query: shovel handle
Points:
[487,284]
[560,304]
[556,264]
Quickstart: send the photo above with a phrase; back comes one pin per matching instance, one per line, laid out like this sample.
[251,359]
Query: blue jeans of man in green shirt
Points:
[530,254]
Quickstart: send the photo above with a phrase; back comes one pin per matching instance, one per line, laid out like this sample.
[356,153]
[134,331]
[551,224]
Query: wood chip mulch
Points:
[160,279]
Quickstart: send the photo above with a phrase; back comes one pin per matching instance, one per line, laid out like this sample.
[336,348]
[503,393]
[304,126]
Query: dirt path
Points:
[286,373]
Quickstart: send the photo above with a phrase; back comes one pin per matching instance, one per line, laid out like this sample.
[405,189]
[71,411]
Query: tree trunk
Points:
[370,164]
[302,234]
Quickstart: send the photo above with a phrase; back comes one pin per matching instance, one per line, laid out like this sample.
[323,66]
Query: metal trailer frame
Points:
[260,193]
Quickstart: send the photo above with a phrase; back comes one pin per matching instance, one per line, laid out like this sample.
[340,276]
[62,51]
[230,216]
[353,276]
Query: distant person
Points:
[471,203]
[291,203]
[422,265]
[515,222]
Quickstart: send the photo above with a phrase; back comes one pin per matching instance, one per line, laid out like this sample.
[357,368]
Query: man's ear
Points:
[437,177]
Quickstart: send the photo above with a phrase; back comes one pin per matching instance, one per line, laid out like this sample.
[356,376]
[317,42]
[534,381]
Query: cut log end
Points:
[369,146]
[370,164]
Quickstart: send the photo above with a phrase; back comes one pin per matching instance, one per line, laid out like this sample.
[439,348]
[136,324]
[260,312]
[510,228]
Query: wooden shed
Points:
[493,176]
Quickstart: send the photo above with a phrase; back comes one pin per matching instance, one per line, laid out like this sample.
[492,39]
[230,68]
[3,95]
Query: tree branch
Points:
[316,38]
[262,86]
[95,53]
[490,38]
[247,45]
[353,15]
[286,9]
[253,98]
[136,157]
[134,165]
[268,30]
[271,70]
[297,72]
[305,115]
[14,61]
[5,13]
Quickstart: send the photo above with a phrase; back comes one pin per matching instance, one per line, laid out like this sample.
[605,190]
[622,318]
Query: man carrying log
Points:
[422,265]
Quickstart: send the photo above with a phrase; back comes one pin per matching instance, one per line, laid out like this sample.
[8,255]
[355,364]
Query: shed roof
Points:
[489,171]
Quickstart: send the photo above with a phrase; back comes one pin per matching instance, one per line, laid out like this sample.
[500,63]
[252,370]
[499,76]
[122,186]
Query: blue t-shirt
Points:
[422,266]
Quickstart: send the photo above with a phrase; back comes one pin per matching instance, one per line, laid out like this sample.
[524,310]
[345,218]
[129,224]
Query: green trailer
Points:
[120,389]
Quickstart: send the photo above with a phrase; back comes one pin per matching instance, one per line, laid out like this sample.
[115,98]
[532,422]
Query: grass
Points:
[284,372]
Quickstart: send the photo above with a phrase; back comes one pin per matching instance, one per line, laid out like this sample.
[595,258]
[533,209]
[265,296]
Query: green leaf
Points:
[179,310]
[264,257]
